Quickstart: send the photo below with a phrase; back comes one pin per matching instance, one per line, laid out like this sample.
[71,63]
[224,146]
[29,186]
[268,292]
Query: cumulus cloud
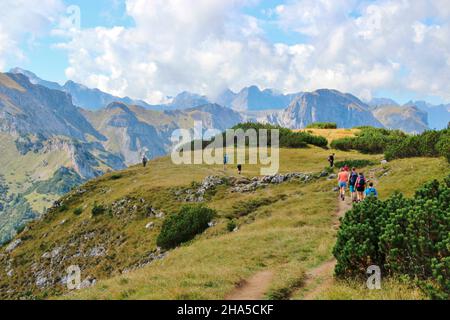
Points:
[364,46]
[24,20]
[207,45]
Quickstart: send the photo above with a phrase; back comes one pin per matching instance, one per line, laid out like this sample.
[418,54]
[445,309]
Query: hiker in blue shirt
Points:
[225,162]
[371,191]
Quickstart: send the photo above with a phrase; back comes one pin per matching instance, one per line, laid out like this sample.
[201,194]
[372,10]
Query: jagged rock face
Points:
[82,96]
[252,98]
[94,99]
[132,131]
[438,115]
[406,118]
[324,106]
[186,100]
[131,136]
[34,109]
[215,116]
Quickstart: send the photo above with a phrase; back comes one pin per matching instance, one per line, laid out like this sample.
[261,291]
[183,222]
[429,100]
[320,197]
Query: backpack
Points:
[361,182]
[371,192]
[353,178]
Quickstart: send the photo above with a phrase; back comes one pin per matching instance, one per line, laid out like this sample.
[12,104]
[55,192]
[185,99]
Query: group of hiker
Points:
[360,188]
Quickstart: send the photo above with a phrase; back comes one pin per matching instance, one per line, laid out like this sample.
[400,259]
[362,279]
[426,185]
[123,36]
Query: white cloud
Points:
[207,45]
[398,45]
[24,20]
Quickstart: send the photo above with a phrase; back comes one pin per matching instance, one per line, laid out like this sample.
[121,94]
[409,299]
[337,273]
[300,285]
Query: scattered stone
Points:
[149,225]
[46,255]
[10,273]
[55,252]
[336,189]
[323,174]
[88,282]
[211,224]
[97,252]
[384,161]
[332,176]
[13,245]
[41,282]
[160,215]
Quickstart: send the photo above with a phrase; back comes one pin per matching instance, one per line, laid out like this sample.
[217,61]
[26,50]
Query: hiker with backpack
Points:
[144,160]
[331,160]
[342,181]
[360,186]
[371,191]
[239,167]
[352,183]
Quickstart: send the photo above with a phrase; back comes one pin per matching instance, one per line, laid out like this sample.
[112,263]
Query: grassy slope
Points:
[126,238]
[404,175]
[21,171]
[289,237]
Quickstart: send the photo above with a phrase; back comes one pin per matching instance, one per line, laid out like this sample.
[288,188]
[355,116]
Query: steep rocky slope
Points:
[406,118]
[324,106]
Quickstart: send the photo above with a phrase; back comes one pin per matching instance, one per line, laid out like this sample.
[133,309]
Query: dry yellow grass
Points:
[332,134]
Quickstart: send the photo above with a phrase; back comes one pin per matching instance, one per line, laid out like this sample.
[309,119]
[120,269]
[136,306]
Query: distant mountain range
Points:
[324,106]
[53,137]
[48,145]
[254,103]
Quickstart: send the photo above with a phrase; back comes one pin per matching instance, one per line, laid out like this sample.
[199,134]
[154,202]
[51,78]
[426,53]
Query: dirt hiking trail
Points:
[253,288]
[321,277]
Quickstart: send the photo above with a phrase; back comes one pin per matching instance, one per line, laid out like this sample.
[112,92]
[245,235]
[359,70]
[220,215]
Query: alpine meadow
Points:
[211,150]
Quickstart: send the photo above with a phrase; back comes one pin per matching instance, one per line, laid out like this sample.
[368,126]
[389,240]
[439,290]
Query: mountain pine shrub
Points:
[404,237]
[354,163]
[184,226]
[396,144]
[322,125]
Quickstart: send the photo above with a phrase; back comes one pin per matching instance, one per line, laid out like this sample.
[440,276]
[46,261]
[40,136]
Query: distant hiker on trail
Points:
[144,161]
[331,159]
[352,183]
[239,167]
[371,191]
[361,186]
[342,180]
[225,161]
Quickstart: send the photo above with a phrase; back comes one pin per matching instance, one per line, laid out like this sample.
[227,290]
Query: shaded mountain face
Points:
[26,108]
[214,116]
[34,79]
[48,145]
[126,135]
[252,98]
[438,115]
[378,102]
[324,106]
[82,96]
[406,118]
[133,131]
[186,100]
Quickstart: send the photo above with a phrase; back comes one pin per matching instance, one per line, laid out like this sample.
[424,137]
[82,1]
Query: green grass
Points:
[391,289]
[289,235]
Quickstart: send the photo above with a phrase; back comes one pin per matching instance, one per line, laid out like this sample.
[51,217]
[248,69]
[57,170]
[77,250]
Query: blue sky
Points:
[371,48]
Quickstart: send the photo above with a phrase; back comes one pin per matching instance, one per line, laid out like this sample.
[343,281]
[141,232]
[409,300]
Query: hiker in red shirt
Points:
[342,180]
